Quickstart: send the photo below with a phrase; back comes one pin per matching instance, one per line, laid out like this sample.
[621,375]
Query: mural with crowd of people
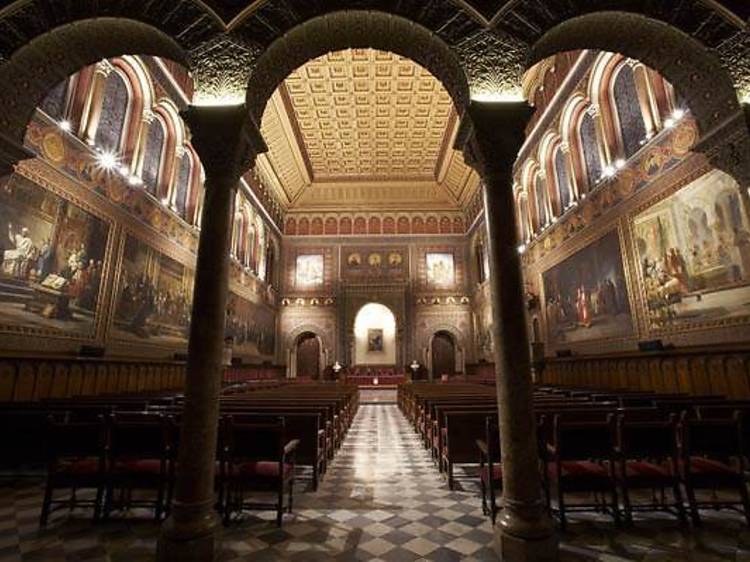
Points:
[694,253]
[52,261]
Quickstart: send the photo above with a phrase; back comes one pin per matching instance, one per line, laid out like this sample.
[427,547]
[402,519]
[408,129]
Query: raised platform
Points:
[377,395]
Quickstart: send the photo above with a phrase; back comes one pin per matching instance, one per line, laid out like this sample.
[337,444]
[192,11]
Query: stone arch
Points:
[37,67]
[340,30]
[459,344]
[290,346]
[694,71]
[312,327]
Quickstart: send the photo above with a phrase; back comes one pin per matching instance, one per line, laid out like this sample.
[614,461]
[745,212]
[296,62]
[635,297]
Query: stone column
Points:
[227,143]
[492,135]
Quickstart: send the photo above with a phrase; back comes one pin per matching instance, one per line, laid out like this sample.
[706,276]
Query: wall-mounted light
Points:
[135,180]
[521,248]
[106,160]
[65,125]
[619,163]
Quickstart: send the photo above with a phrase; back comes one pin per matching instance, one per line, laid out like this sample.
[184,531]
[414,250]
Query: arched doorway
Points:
[308,356]
[375,336]
[443,355]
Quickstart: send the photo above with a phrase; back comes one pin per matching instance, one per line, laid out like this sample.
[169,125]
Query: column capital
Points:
[491,134]
[226,138]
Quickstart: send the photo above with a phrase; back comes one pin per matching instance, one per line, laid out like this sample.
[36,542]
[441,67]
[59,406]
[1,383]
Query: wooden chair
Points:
[140,456]
[490,467]
[257,458]
[77,459]
[647,458]
[712,457]
[581,459]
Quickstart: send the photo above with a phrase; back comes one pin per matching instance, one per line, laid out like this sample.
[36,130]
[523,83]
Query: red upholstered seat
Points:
[260,469]
[80,467]
[704,466]
[582,469]
[638,472]
[138,467]
[497,474]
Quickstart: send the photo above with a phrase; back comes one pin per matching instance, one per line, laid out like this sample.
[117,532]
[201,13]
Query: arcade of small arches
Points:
[611,116]
[422,284]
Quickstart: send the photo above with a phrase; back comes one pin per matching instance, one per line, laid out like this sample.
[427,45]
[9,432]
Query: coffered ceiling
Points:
[358,123]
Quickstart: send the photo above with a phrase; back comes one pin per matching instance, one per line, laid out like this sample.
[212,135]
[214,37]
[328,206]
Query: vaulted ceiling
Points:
[364,127]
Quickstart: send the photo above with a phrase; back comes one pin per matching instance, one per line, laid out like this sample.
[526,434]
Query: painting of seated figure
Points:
[586,296]
[51,261]
[694,255]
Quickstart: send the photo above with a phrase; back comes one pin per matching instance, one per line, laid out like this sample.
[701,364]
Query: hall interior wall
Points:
[142,244]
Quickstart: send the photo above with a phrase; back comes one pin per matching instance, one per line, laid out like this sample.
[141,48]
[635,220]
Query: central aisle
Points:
[382,499]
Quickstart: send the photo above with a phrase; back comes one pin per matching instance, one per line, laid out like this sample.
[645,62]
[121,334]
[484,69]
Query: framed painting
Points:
[309,271]
[441,270]
[586,296]
[375,340]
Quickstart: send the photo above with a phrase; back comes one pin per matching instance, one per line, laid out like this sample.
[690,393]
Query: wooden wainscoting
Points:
[28,379]
[697,371]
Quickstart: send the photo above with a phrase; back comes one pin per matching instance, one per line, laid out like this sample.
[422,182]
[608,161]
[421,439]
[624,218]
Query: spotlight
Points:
[65,125]
[521,248]
[107,160]
[619,163]
[165,202]
[678,114]
[608,172]
[135,180]
[124,170]
[669,122]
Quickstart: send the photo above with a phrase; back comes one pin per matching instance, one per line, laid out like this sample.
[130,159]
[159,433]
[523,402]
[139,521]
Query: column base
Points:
[511,548]
[199,544]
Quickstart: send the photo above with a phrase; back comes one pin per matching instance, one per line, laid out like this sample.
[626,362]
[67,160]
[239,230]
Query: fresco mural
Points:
[309,271]
[441,270]
[51,256]
[694,254]
[155,297]
[251,326]
[368,263]
[586,295]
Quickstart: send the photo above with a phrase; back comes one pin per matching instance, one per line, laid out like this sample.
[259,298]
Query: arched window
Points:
[590,148]
[481,272]
[54,104]
[152,156]
[562,177]
[260,244]
[629,111]
[237,236]
[270,264]
[540,199]
[182,185]
[252,236]
[523,218]
[114,112]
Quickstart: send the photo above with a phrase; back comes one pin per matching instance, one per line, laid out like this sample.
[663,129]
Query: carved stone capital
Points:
[226,139]
[490,135]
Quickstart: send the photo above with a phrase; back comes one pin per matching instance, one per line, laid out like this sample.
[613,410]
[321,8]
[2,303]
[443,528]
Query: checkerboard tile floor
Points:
[382,499]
